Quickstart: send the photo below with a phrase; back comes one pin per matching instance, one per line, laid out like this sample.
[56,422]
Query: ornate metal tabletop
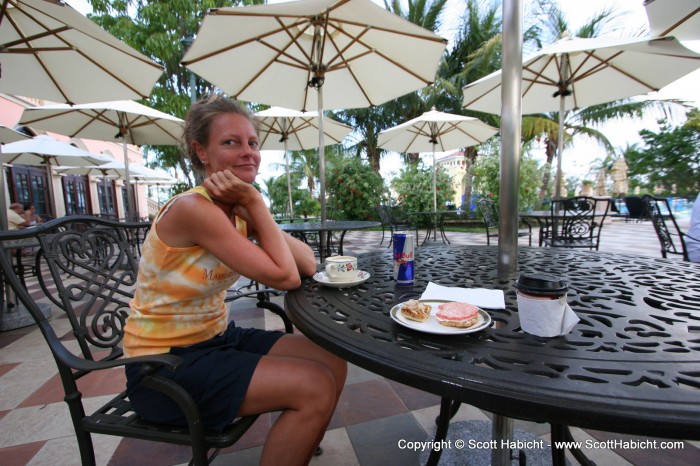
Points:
[631,365]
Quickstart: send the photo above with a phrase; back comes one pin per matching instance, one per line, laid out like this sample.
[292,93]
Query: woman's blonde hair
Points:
[199,119]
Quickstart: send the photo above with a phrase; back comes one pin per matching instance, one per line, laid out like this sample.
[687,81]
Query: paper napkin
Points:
[481,297]
[546,317]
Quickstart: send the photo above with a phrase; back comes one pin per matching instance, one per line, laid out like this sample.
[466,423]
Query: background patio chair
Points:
[489,211]
[88,267]
[575,223]
[636,209]
[671,238]
[393,219]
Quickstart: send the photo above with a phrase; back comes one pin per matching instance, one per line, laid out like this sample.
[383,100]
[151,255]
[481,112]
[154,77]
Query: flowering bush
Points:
[487,182]
[354,190]
[414,187]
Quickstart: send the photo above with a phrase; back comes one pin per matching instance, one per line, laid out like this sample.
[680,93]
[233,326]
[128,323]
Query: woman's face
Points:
[233,144]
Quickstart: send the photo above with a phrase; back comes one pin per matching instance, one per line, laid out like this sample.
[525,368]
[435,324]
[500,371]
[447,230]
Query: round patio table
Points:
[631,365]
[436,222]
[302,230]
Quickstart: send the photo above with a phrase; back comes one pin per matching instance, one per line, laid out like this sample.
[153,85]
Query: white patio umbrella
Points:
[10,135]
[286,129]
[575,72]
[50,51]
[678,18]
[125,121]
[45,150]
[436,131]
[313,55]
[116,170]
[601,189]
[619,176]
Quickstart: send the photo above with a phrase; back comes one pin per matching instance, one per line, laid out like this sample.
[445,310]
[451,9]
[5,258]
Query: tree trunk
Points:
[373,157]
[470,155]
[550,151]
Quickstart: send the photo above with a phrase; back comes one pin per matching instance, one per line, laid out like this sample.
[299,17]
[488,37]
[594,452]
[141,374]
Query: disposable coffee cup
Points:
[542,305]
[341,268]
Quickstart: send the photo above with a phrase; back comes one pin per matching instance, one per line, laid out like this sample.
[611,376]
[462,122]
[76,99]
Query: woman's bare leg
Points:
[299,346]
[300,379]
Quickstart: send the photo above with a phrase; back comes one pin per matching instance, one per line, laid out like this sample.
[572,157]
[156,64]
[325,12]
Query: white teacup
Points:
[341,268]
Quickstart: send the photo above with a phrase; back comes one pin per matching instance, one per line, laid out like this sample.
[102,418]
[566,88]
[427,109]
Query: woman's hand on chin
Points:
[224,186]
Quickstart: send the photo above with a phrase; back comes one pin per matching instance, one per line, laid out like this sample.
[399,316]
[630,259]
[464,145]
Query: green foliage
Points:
[278,194]
[354,190]
[670,158]
[414,187]
[487,179]
[307,206]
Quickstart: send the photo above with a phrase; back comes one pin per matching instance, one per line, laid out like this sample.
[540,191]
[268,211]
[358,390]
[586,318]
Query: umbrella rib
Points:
[606,63]
[681,21]
[67,47]
[280,53]
[25,40]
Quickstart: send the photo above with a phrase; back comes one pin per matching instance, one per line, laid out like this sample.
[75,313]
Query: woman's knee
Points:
[321,388]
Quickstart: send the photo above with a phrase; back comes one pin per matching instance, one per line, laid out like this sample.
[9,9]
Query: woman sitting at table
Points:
[199,245]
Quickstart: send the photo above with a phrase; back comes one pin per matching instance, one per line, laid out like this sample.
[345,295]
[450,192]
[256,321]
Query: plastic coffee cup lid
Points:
[541,284]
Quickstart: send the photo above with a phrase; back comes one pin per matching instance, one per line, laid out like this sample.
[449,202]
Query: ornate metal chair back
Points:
[671,239]
[577,222]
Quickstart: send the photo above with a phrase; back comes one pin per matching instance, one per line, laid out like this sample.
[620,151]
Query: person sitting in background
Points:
[199,244]
[15,217]
[692,239]
[30,215]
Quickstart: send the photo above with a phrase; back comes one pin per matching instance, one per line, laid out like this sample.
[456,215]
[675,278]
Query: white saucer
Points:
[323,279]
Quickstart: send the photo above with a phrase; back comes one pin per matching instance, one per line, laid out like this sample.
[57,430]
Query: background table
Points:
[631,365]
[302,229]
[436,221]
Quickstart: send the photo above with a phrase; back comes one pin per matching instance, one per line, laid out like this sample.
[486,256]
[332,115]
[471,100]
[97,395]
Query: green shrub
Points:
[355,190]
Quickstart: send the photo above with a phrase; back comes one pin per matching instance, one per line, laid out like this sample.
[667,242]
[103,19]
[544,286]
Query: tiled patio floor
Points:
[373,416]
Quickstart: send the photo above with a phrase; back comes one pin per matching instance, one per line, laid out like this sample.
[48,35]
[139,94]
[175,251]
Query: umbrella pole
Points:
[560,132]
[124,131]
[127,181]
[434,196]
[322,172]
[3,198]
[511,106]
[285,125]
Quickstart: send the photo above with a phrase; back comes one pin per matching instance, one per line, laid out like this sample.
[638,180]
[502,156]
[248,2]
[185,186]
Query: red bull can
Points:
[404,268]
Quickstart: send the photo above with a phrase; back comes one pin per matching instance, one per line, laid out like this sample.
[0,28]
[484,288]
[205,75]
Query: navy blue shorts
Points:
[216,373]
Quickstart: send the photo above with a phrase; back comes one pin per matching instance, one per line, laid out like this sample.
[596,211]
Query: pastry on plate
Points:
[455,314]
[415,310]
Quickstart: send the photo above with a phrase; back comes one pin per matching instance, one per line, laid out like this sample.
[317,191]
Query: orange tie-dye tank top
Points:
[179,296]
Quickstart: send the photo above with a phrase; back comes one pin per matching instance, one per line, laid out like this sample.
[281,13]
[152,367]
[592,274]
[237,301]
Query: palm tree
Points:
[305,162]
[583,121]
[476,53]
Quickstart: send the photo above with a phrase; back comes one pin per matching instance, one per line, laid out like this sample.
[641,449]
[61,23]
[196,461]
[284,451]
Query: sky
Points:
[578,158]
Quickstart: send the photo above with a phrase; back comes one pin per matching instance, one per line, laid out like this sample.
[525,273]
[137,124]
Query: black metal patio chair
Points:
[636,209]
[671,238]
[88,267]
[392,219]
[575,223]
[489,212]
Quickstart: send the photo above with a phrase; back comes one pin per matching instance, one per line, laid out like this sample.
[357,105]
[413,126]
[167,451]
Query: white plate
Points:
[433,326]
[323,279]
